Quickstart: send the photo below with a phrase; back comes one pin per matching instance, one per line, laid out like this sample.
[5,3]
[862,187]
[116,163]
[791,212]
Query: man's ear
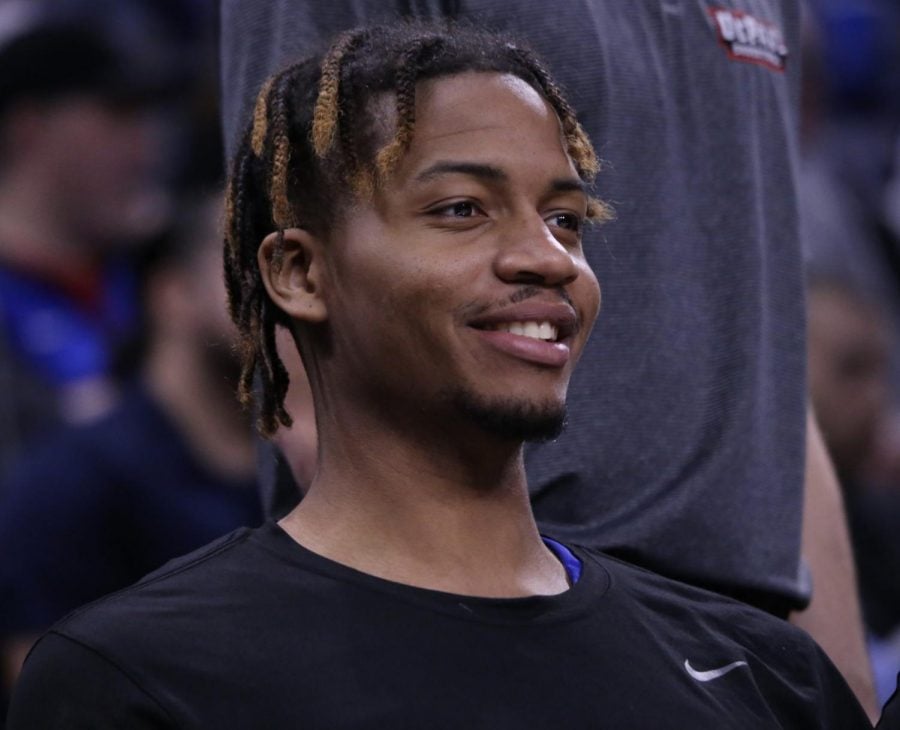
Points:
[293,270]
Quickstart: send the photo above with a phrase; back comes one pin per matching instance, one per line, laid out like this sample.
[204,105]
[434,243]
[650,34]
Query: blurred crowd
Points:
[121,443]
[117,368]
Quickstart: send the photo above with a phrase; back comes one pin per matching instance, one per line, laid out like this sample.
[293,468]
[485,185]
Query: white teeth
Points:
[535,330]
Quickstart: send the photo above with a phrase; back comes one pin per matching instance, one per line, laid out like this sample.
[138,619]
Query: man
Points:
[411,206]
[689,411]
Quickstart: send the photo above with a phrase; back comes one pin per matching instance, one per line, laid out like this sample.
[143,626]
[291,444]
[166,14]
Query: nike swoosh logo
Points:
[711,674]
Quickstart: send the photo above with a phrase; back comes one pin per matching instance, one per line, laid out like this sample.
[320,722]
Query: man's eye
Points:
[463,209]
[568,221]
[460,209]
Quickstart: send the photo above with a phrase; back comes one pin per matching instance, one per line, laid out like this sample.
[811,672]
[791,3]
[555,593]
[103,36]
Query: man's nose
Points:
[529,253]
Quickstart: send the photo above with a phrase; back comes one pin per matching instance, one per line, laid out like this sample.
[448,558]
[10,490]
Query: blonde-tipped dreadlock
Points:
[325,114]
[260,118]
[282,211]
[405,94]
[314,138]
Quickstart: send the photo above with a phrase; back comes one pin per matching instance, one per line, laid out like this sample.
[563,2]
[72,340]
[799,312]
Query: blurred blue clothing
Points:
[52,338]
[60,338]
[97,507]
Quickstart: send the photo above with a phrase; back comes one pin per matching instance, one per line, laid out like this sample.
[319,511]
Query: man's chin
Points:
[513,419]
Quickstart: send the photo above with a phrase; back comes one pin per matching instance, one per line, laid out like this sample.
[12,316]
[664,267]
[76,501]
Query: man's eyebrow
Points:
[569,184]
[473,169]
[495,174]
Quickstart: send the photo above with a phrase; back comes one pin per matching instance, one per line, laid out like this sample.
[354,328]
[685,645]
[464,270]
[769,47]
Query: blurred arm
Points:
[833,618]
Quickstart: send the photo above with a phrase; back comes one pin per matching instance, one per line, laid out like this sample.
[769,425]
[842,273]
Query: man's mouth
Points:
[538,330]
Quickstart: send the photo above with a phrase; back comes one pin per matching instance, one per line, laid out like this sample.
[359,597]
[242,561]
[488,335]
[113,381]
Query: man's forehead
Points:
[446,102]
[495,119]
[450,99]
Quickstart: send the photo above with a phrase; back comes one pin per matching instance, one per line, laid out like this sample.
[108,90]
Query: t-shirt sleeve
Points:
[839,708]
[890,714]
[65,684]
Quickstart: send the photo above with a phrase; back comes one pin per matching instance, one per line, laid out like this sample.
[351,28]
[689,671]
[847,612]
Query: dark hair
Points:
[314,135]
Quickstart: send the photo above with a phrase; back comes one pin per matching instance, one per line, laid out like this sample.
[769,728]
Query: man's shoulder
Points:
[239,579]
[709,635]
[179,584]
[129,642]
[706,612]
[201,627]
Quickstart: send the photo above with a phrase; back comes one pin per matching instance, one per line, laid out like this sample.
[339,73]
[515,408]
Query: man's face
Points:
[461,291]
[848,374]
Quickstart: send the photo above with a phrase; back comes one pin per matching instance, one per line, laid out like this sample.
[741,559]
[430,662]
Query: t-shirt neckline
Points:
[592,585]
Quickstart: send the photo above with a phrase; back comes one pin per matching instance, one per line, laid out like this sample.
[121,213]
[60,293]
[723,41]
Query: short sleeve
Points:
[65,684]
[890,715]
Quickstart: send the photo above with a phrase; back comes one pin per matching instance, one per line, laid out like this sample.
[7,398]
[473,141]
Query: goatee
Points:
[512,419]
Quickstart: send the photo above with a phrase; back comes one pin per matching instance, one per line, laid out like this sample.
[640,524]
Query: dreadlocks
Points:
[314,134]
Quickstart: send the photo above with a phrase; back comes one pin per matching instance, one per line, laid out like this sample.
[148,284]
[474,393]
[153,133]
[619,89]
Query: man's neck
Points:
[449,514]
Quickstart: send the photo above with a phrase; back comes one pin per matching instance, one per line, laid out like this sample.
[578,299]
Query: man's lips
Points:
[537,332]
[560,315]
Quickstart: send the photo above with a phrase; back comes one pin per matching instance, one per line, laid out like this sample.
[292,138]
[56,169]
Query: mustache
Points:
[523,293]
[528,292]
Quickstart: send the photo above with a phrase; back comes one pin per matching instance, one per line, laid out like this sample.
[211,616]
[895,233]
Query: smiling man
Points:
[410,207]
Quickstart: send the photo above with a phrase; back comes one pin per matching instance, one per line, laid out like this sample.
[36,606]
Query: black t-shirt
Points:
[255,631]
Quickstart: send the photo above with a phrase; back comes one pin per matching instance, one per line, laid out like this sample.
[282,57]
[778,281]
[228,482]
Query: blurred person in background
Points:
[849,371]
[80,187]
[849,374]
[851,124]
[169,469]
[851,127]
[851,237]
